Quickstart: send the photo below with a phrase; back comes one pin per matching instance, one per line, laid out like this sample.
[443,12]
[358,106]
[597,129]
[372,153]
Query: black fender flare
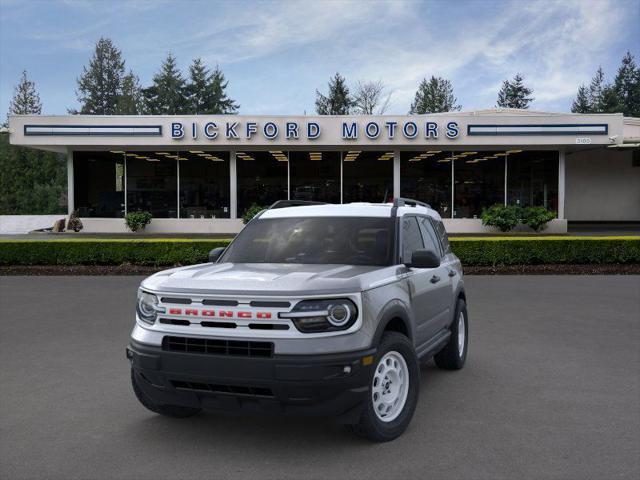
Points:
[393,309]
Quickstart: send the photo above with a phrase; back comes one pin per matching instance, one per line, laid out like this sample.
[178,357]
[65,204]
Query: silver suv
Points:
[312,309]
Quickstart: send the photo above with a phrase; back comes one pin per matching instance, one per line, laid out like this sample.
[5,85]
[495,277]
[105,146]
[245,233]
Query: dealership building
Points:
[199,174]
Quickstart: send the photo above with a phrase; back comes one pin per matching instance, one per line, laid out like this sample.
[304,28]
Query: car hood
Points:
[268,279]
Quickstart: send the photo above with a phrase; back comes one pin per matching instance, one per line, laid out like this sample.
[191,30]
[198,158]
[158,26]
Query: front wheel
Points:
[454,354]
[393,391]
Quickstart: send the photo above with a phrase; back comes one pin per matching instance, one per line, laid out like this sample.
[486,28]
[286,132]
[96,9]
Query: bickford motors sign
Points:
[294,130]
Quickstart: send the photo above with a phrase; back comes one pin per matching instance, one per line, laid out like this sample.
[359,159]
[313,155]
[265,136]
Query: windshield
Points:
[337,240]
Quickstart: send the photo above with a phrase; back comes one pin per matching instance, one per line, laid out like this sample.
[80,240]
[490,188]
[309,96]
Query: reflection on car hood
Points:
[268,278]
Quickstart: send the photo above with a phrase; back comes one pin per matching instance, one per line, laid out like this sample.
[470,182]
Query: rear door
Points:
[422,287]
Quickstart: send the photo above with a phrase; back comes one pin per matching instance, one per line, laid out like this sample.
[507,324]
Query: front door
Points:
[426,285]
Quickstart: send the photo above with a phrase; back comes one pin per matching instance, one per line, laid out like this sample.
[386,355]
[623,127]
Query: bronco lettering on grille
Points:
[192,312]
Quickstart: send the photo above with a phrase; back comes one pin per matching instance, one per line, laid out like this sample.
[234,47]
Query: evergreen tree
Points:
[596,91]
[100,85]
[196,89]
[433,96]
[31,181]
[514,94]
[218,101]
[25,99]
[167,95]
[338,101]
[627,86]
[130,101]
[581,104]
[206,91]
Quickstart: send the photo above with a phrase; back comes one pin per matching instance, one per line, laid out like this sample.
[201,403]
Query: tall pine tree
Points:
[582,103]
[206,92]
[25,99]
[130,101]
[627,86]
[433,96]
[219,102]
[100,85]
[514,94]
[167,94]
[31,181]
[338,100]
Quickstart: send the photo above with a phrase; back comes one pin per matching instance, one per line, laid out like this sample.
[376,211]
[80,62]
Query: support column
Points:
[233,185]
[506,170]
[70,183]
[561,177]
[396,174]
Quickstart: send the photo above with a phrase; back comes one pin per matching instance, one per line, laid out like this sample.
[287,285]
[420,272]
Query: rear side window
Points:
[429,235]
[442,234]
[411,238]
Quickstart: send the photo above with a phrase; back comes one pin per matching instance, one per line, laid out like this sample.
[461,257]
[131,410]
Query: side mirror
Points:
[424,259]
[214,254]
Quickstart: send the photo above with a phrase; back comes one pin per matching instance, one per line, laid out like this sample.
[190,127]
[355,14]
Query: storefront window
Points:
[532,178]
[315,176]
[262,178]
[426,176]
[478,182]
[99,184]
[152,183]
[367,176]
[204,184]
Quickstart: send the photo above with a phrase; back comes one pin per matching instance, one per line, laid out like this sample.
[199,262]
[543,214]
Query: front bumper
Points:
[322,385]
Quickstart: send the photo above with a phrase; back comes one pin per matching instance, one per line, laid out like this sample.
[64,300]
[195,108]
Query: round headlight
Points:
[147,307]
[339,314]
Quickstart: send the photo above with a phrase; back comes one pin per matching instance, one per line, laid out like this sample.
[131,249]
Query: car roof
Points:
[359,209]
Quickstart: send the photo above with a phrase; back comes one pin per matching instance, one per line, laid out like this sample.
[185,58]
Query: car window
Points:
[314,240]
[411,238]
[442,235]
[429,235]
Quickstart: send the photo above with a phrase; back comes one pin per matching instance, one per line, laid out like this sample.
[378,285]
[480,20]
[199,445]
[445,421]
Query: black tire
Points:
[175,411]
[450,358]
[370,425]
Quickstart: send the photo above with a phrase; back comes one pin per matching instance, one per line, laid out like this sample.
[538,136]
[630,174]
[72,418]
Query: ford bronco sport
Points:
[316,309]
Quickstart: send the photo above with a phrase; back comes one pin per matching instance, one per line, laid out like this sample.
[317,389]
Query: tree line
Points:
[435,95]
[33,181]
[106,88]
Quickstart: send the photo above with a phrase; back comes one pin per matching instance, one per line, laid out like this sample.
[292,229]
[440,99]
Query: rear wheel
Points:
[166,410]
[454,354]
[393,391]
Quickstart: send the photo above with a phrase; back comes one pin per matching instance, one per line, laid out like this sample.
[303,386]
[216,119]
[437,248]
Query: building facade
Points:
[201,173]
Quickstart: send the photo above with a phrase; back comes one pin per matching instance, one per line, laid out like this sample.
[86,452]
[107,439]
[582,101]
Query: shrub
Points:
[541,250]
[137,220]
[537,217]
[73,251]
[74,223]
[251,212]
[168,252]
[504,218]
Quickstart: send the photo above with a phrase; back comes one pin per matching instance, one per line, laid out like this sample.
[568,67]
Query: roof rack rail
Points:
[293,203]
[401,202]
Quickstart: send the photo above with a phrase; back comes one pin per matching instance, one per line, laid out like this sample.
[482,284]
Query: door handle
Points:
[435,279]
[452,273]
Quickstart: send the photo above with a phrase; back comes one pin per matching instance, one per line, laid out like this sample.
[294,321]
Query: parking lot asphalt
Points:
[551,389]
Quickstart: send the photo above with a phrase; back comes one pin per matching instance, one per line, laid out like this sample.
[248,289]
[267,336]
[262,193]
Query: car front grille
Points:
[238,348]
[228,389]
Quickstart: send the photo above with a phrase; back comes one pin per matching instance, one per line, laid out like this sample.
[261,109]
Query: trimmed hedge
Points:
[166,252]
[540,250]
[108,252]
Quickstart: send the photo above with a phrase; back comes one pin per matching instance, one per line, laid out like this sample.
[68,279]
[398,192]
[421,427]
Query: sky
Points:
[275,54]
